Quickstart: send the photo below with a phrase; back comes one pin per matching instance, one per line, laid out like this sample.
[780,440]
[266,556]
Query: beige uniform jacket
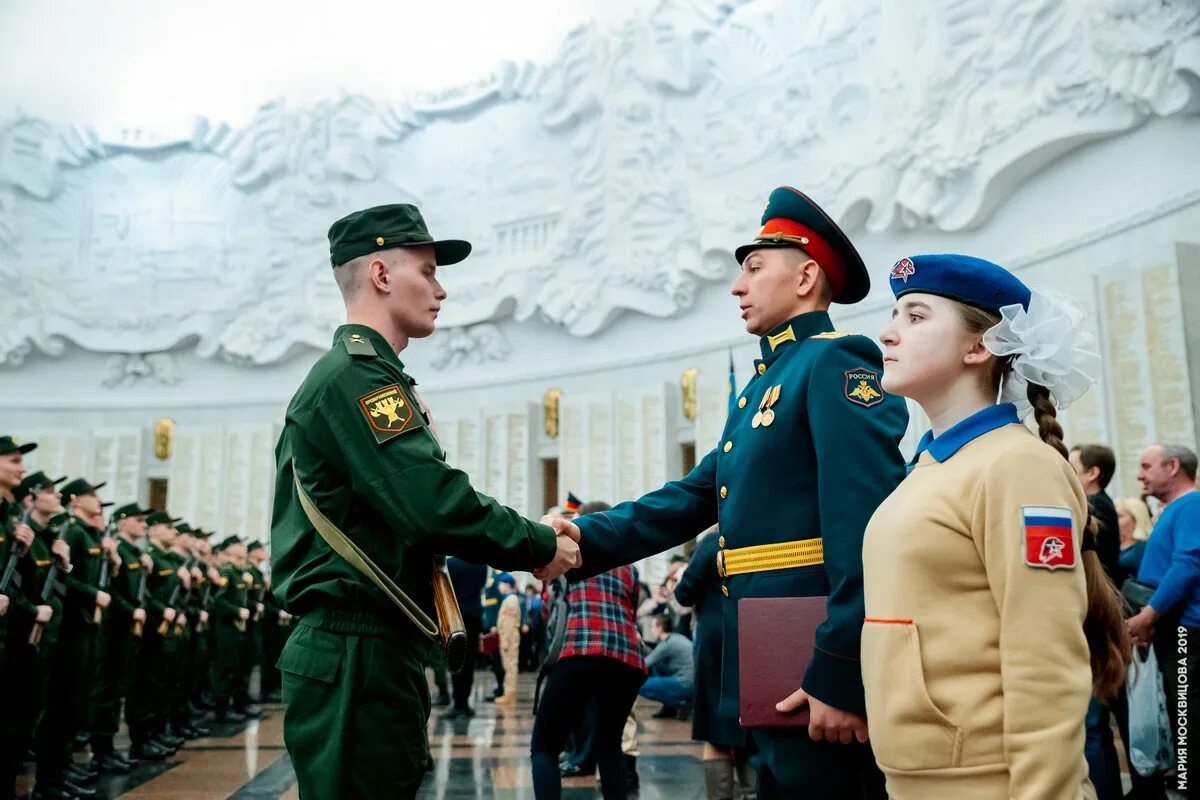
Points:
[974,659]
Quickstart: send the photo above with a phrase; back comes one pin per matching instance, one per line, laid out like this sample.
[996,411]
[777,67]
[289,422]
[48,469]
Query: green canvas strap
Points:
[344,547]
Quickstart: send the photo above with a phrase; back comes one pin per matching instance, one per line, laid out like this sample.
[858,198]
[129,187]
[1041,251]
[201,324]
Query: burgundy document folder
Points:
[775,645]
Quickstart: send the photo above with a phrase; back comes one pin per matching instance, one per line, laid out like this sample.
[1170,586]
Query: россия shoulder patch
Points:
[862,387]
[388,413]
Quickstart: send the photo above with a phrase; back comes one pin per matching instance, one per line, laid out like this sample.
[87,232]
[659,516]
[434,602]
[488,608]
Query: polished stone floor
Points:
[484,758]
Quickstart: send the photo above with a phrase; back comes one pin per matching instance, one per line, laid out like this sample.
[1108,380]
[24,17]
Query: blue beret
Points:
[792,219]
[506,577]
[966,279]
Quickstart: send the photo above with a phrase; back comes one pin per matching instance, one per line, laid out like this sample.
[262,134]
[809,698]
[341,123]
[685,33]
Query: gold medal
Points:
[758,420]
[768,417]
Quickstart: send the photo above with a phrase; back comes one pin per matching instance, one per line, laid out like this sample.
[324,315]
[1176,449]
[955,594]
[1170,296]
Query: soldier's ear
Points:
[378,277]
[808,278]
[977,353]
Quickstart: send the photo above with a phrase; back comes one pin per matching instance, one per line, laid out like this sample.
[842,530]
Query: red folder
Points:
[776,636]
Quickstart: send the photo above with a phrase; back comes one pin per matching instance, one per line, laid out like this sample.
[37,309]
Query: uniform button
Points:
[721,541]
[742,402]
[724,492]
[725,591]
[728,446]
[762,368]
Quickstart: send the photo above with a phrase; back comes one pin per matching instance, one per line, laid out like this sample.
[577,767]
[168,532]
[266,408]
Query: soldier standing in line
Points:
[228,616]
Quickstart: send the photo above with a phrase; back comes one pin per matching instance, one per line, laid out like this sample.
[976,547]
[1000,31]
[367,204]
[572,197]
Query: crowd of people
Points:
[119,613]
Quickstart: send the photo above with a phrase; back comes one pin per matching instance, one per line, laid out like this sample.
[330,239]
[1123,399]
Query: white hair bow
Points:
[1049,347]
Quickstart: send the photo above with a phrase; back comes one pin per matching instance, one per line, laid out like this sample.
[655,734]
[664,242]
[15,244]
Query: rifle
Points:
[140,596]
[262,593]
[35,635]
[10,568]
[102,583]
[451,629]
[173,599]
[204,598]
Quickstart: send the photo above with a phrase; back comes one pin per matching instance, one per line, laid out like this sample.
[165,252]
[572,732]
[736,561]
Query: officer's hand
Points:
[103,599]
[284,616]
[44,613]
[204,617]
[566,557]
[24,535]
[147,563]
[243,613]
[169,614]
[3,604]
[825,721]
[1141,625]
[139,615]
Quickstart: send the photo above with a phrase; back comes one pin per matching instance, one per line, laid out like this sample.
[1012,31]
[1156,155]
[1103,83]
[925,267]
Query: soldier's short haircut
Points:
[349,276]
[1186,457]
[664,623]
[1097,455]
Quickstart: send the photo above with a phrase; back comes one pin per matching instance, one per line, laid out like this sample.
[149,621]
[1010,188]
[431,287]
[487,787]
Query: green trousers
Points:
[226,659]
[355,709]
[116,652]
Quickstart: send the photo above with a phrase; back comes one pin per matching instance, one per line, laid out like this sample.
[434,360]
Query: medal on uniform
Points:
[767,415]
[758,417]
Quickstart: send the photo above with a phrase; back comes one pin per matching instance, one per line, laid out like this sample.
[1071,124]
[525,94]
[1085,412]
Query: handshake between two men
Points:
[567,556]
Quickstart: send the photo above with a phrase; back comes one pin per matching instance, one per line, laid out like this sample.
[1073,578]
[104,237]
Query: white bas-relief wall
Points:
[182,270]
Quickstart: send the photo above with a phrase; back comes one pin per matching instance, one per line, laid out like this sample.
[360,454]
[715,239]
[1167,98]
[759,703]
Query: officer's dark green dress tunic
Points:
[830,456]
[354,667]
[228,601]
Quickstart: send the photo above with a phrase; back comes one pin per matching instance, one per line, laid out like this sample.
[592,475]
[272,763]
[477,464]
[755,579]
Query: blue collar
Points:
[967,431]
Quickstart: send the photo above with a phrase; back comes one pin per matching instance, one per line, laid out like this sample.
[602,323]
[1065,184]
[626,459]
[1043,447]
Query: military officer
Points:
[358,449]
[806,456]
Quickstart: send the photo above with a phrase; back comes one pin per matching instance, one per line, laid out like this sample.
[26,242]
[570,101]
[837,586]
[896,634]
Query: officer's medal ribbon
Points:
[771,398]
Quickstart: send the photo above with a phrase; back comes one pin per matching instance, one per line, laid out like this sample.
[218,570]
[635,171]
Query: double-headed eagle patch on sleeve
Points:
[862,387]
[388,413]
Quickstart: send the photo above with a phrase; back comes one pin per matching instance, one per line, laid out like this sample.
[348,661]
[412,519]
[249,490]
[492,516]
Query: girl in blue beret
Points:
[989,619]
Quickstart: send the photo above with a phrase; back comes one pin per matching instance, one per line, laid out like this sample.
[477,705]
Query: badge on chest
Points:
[765,416]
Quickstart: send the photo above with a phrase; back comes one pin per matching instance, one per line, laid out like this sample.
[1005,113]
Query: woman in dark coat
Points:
[724,740]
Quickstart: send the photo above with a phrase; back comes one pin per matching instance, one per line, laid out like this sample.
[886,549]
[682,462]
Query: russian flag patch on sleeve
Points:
[1049,542]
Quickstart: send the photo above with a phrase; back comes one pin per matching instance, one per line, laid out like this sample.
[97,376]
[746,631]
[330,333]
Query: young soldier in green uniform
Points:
[183,636]
[229,613]
[206,584]
[72,663]
[120,637]
[33,637]
[252,641]
[146,708]
[15,537]
[357,445]
[806,457]
[274,623]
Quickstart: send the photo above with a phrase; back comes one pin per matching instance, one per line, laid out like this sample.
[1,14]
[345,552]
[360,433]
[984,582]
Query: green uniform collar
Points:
[795,330]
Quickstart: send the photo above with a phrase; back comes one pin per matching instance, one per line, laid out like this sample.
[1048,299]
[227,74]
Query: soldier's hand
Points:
[63,551]
[115,563]
[169,614]
[825,722]
[24,535]
[243,613]
[44,613]
[182,620]
[3,604]
[147,563]
[259,608]
[566,557]
[103,599]
[563,527]
[185,578]
[284,616]
[108,545]
[213,575]
[139,615]
[197,575]
[203,617]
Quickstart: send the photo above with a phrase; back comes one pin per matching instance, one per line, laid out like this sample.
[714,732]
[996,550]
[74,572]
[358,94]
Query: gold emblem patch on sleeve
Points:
[388,413]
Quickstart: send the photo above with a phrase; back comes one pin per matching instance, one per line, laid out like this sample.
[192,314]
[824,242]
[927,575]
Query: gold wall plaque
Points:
[164,429]
[550,403]
[687,386]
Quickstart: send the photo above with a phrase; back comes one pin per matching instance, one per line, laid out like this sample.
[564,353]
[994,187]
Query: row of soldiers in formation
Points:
[139,613]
